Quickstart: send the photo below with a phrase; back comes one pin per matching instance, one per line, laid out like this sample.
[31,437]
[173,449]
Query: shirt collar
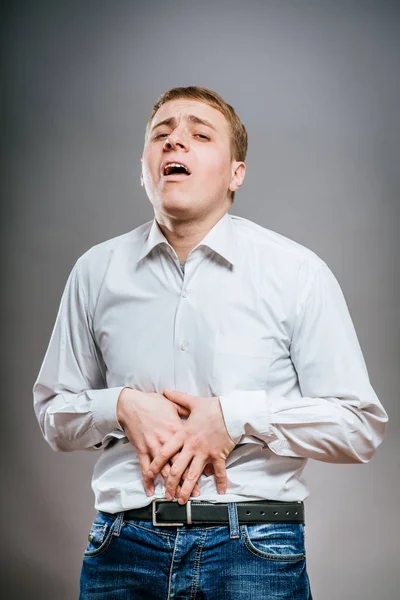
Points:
[222,239]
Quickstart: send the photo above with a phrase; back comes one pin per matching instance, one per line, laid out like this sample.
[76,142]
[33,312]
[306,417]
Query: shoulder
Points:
[99,255]
[273,245]
[278,261]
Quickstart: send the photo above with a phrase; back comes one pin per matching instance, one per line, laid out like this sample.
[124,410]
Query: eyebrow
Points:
[197,121]
[171,122]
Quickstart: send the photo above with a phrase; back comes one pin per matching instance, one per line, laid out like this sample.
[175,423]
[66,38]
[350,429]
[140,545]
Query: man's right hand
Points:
[149,420]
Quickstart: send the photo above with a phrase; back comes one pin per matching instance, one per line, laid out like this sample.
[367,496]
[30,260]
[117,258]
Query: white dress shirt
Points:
[255,318]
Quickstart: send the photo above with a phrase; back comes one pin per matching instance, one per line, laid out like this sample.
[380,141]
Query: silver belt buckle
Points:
[154,513]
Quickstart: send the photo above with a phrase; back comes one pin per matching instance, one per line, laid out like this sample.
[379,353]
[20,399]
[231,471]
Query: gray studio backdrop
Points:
[316,84]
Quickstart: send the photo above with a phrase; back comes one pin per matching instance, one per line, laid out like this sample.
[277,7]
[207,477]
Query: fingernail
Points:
[181,501]
[196,493]
[168,496]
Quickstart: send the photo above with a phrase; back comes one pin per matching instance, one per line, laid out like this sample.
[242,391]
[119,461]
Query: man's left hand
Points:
[204,439]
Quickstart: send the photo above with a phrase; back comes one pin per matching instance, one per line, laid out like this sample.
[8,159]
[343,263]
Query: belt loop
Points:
[118,523]
[233,520]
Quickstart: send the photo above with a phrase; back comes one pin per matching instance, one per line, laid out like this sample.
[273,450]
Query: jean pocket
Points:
[275,541]
[100,534]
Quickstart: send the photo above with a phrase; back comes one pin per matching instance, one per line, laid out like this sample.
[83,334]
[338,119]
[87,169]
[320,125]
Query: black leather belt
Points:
[169,513]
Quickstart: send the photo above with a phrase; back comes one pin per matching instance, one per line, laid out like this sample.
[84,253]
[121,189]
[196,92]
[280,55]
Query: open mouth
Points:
[175,168]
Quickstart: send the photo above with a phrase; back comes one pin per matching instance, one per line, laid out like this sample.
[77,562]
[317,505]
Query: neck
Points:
[185,235]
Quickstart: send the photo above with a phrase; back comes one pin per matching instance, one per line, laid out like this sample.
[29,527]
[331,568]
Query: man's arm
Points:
[75,409]
[73,405]
[339,418]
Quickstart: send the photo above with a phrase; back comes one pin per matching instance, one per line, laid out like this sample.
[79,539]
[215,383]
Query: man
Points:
[207,358]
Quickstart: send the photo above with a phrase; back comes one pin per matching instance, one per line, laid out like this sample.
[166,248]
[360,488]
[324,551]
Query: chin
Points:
[175,202]
[178,211]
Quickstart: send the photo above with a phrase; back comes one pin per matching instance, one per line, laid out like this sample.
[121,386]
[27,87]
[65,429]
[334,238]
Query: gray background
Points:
[317,85]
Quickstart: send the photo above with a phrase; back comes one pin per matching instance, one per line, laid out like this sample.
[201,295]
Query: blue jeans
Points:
[135,560]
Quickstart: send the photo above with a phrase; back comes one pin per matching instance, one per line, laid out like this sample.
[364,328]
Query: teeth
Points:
[172,165]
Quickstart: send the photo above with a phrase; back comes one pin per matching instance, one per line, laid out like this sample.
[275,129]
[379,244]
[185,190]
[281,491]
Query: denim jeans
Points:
[135,560]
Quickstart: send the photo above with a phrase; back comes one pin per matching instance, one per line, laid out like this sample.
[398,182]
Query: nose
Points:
[177,139]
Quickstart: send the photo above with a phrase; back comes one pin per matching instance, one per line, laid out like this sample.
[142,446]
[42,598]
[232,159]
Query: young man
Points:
[207,358]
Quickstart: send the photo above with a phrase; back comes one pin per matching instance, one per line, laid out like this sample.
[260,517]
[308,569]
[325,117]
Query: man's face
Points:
[187,169]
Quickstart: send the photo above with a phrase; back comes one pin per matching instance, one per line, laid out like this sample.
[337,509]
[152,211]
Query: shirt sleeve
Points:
[74,407]
[338,417]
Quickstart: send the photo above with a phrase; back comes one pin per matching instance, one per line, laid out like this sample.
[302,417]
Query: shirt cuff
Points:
[246,413]
[104,409]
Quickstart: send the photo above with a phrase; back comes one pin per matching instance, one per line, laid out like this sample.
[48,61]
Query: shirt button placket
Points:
[183,336]
[184,344]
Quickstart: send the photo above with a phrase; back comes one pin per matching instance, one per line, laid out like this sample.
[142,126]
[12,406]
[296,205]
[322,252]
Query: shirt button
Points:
[184,294]
[184,346]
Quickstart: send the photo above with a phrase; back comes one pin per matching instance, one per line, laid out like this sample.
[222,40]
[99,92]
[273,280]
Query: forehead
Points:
[183,107]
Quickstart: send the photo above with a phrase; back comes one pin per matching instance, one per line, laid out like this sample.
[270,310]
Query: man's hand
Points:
[203,439]
[149,420]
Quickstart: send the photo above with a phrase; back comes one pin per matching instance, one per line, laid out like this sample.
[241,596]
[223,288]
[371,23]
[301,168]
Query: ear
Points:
[238,173]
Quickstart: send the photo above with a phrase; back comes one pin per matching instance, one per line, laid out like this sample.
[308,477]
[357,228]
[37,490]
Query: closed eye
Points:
[201,136]
[159,136]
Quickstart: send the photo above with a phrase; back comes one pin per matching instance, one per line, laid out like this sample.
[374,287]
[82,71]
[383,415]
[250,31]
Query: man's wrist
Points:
[223,419]
[124,397]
